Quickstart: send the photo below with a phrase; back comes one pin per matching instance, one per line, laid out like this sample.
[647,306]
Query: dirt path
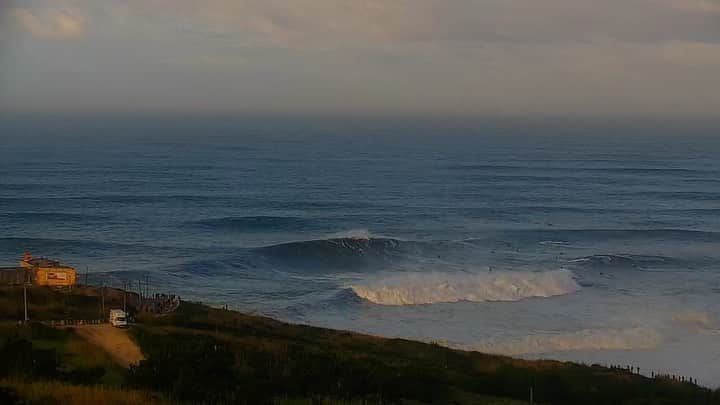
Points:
[114,341]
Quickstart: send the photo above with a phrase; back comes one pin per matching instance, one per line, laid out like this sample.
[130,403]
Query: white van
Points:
[118,318]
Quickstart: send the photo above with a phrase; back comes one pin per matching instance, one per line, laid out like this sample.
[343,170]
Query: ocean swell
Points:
[253,223]
[334,247]
[432,288]
[621,261]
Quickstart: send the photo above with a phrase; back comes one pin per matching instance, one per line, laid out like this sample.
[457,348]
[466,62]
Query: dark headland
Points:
[201,354]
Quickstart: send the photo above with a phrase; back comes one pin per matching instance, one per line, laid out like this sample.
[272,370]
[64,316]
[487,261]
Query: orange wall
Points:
[55,276]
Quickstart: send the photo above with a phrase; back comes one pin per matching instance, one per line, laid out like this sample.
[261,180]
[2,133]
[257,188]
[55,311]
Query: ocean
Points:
[597,243]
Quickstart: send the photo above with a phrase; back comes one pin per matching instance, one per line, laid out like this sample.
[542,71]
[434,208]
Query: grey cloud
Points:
[585,57]
[369,22]
[347,23]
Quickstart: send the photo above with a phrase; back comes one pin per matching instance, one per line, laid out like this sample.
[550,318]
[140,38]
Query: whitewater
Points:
[432,288]
[600,246]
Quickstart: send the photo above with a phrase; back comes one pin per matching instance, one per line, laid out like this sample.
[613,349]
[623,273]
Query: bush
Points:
[8,396]
[19,357]
[189,369]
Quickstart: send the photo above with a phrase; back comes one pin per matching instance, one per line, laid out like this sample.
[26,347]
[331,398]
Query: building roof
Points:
[43,262]
[5,269]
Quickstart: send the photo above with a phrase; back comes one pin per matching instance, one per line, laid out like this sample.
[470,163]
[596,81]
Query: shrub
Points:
[189,369]
[19,357]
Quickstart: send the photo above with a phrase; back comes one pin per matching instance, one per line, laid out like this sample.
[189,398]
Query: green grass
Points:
[479,400]
[46,304]
[55,392]
[78,354]
[293,360]
[205,355]
[73,354]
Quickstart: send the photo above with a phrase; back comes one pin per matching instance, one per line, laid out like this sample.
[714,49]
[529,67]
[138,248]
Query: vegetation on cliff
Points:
[203,354]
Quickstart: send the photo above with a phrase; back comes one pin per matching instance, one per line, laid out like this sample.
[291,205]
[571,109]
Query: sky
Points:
[617,58]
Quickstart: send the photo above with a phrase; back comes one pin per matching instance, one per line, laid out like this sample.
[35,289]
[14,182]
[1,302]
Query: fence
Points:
[73,322]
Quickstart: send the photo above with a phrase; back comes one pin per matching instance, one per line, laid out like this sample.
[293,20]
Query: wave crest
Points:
[332,248]
[432,288]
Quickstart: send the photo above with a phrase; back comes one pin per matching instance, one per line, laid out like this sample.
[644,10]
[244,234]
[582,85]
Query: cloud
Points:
[709,6]
[47,24]
[322,24]
[652,57]
[343,23]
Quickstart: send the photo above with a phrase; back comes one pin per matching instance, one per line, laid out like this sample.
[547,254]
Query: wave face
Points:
[348,252]
[432,288]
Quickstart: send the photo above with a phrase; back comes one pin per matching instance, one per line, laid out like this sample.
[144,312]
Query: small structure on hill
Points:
[48,272]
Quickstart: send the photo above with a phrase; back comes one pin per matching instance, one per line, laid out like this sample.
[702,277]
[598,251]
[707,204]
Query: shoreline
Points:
[262,360]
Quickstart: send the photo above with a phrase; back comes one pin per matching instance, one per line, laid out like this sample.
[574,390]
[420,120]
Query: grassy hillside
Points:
[48,304]
[57,392]
[64,355]
[201,354]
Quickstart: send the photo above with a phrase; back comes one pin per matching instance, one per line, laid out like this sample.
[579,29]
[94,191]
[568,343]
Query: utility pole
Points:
[531,395]
[124,297]
[102,297]
[25,283]
[25,300]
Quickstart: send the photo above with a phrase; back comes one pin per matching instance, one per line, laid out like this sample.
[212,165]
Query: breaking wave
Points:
[636,338]
[432,288]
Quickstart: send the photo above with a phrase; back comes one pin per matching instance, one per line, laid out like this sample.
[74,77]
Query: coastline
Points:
[227,356]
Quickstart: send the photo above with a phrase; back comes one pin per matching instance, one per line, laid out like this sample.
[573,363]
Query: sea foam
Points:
[633,338]
[431,288]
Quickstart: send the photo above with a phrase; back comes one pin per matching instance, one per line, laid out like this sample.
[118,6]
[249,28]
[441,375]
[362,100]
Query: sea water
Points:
[585,242]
